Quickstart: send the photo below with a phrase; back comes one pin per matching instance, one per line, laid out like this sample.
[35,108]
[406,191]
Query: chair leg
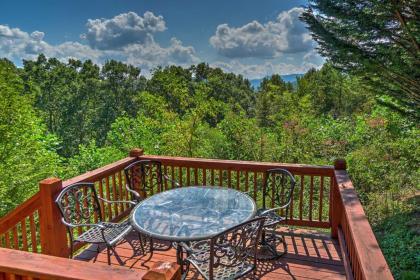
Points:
[141,243]
[151,252]
[108,252]
[187,269]
[71,249]
[267,247]
[284,244]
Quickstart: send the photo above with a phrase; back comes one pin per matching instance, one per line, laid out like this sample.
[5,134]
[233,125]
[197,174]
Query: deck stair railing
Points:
[324,198]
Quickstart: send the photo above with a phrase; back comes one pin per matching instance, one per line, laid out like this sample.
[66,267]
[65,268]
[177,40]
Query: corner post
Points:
[136,152]
[337,207]
[163,271]
[53,233]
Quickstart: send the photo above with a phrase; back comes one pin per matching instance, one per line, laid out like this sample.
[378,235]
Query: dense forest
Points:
[62,118]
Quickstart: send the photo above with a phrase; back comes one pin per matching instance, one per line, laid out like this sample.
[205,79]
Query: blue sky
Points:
[253,38]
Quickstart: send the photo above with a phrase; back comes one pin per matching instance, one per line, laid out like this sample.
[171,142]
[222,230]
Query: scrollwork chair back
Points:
[234,248]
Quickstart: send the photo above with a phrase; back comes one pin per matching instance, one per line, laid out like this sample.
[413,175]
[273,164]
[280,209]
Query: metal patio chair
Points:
[228,255]
[277,192]
[79,207]
[145,176]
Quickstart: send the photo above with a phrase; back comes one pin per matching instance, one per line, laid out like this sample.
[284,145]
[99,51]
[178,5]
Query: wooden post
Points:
[337,207]
[136,152]
[52,231]
[163,271]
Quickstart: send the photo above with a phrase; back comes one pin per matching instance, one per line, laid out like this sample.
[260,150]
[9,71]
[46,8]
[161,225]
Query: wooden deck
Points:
[311,255]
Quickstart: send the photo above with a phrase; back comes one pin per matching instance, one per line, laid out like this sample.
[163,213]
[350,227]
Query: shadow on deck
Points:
[311,255]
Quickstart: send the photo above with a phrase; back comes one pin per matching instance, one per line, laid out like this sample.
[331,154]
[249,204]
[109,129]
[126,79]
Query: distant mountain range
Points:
[287,78]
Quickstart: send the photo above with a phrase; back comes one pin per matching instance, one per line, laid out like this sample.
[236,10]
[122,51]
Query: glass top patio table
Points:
[192,213]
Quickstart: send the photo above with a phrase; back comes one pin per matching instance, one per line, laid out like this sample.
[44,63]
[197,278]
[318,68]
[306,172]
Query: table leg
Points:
[179,257]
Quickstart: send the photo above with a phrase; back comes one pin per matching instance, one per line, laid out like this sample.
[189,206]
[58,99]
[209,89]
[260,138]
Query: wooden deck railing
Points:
[351,226]
[310,204]
[324,198]
[15,265]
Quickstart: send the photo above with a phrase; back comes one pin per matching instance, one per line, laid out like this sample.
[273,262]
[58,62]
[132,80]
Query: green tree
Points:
[378,40]
[27,153]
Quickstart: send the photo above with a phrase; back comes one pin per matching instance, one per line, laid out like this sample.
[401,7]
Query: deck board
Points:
[311,255]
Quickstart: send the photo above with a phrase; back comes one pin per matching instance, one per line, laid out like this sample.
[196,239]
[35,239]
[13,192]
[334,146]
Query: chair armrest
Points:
[250,193]
[117,201]
[273,209]
[186,247]
[133,192]
[171,180]
[102,227]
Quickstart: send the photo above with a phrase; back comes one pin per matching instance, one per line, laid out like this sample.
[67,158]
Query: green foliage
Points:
[399,237]
[80,101]
[27,153]
[91,116]
[91,157]
[378,40]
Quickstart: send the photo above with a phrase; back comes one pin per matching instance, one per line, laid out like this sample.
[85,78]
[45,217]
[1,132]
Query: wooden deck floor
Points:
[311,255]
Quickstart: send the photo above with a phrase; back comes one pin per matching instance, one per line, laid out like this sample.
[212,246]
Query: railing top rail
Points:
[101,172]
[49,267]
[369,254]
[325,170]
[38,266]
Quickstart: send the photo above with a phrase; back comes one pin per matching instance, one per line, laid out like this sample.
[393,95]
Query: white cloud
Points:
[122,30]
[16,44]
[287,34]
[150,55]
[313,57]
[129,38]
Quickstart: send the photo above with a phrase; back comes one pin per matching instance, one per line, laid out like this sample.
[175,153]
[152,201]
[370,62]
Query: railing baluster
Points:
[95,215]
[107,190]
[180,176]
[165,171]
[204,177]
[311,197]
[196,176]
[32,227]
[273,187]
[120,192]
[212,177]
[302,185]
[24,234]
[15,238]
[220,177]
[115,195]
[255,186]
[237,180]
[229,178]
[291,207]
[246,182]
[7,239]
[101,194]
[173,176]
[188,176]
[321,197]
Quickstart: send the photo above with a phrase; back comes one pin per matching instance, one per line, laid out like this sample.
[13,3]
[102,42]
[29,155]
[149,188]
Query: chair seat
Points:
[113,232]
[271,218]
[224,270]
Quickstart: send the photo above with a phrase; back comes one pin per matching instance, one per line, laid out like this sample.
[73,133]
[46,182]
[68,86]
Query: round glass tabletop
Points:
[192,213]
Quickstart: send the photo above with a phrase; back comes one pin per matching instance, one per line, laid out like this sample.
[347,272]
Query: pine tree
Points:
[378,40]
